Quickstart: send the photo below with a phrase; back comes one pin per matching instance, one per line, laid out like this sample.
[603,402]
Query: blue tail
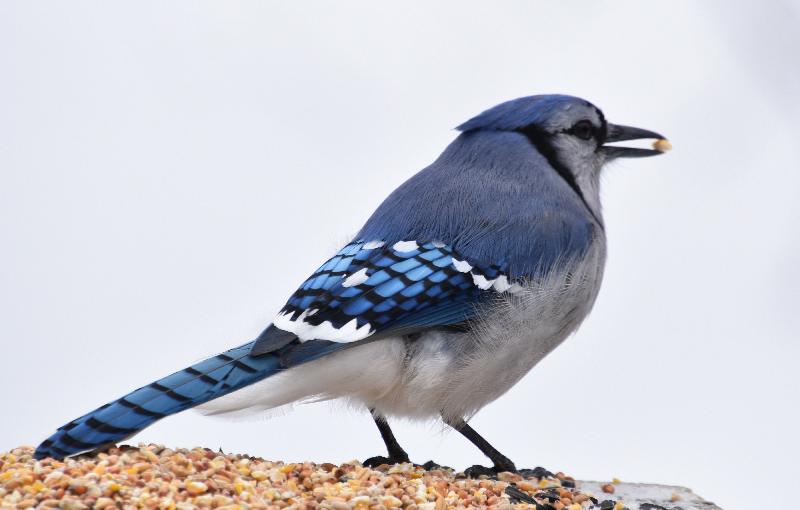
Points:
[192,386]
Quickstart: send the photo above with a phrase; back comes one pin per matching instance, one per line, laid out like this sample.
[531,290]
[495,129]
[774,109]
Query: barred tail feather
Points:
[197,384]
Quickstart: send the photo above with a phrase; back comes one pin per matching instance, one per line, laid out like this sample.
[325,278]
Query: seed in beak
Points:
[662,145]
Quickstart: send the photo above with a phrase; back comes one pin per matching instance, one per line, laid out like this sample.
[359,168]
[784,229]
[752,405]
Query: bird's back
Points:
[493,199]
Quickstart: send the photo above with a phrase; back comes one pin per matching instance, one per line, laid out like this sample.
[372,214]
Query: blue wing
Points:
[369,290]
[365,291]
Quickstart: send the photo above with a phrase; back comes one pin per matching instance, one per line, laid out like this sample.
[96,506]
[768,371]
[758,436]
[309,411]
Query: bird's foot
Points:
[477,471]
[501,465]
[380,460]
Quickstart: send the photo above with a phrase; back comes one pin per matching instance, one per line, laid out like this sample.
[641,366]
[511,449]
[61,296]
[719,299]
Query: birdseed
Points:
[155,477]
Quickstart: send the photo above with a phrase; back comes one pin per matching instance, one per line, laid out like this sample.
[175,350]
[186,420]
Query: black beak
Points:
[616,133]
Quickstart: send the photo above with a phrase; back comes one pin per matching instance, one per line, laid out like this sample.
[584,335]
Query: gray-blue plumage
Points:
[492,199]
[462,280]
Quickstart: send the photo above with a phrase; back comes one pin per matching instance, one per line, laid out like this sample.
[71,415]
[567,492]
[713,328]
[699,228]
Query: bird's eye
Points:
[583,130]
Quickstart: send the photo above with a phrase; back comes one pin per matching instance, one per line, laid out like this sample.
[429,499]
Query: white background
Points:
[171,171]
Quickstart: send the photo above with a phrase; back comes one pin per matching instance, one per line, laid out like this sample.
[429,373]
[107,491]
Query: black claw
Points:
[477,471]
[537,472]
[431,466]
[379,460]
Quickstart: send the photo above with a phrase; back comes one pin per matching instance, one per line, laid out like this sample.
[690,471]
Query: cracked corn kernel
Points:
[662,145]
[259,475]
[195,488]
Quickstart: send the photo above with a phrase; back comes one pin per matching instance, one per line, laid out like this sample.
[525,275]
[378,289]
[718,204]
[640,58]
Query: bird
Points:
[460,282]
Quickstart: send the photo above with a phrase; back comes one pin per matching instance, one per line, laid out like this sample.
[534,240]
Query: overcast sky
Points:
[171,171]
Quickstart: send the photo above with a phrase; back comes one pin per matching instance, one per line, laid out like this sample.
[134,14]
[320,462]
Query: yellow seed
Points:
[662,145]
[152,457]
[616,481]
[360,502]
[240,486]
[619,506]
[195,488]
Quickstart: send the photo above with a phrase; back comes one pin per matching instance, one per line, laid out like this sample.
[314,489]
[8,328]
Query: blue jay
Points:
[463,279]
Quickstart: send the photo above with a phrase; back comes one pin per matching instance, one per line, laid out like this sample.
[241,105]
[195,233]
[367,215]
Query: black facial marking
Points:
[541,139]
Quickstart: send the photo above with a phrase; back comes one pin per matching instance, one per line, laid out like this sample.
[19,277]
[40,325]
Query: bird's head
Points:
[571,133]
[568,127]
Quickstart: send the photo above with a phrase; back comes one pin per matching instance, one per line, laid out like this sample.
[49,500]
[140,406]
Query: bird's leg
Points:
[500,461]
[396,453]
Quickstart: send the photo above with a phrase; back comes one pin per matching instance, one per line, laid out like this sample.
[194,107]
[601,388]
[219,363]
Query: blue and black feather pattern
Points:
[186,388]
[400,289]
